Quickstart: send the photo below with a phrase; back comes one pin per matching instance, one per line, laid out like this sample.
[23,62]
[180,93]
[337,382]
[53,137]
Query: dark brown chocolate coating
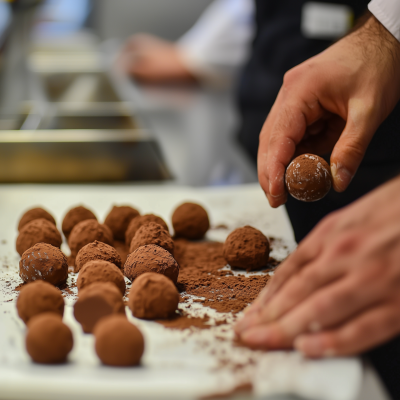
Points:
[87,232]
[48,340]
[44,262]
[153,296]
[38,297]
[96,301]
[100,271]
[73,217]
[118,342]
[308,178]
[247,248]
[118,220]
[190,221]
[152,233]
[37,231]
[97,251]
[151,258]
[35,213]
[137,222]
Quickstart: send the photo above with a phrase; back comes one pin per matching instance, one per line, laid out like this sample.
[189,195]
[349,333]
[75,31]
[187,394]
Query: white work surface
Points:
[176,364]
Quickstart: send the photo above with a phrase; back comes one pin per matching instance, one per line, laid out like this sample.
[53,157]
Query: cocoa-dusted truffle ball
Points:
[152,233]
[151,258]
[190,221]
[73,217]
[37,231]
[137,222]
[246,248]
[39,297]
[44,262]
[96,301]
[97,251]
[308,178]
[35,213]
[118,220]
[48,340]
[100,271]
[153,296]
[87,232]
[118,342]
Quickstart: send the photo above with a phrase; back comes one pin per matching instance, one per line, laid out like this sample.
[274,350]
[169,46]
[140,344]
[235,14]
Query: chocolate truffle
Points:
[39,297]
[86,232]
[190,221]
[118,342]
[152,233]
[100,271]
[73,217]
[97,251]
[118,220]
[44,262]
[37,231]
[151,258]
[48,340]
[308,178]
[137,222]
[246,248]
[35,213]
[153,296]
[96,301]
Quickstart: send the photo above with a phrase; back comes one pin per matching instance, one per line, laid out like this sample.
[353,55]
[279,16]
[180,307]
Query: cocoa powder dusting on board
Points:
[242,389]
[185,322]
[200,275]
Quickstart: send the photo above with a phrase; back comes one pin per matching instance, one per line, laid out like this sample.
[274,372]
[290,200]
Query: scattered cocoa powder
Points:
[201,275]
[183,321]
[244,388]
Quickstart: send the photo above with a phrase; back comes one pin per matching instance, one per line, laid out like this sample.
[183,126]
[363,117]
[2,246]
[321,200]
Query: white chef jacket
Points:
[387,12]
[218,45]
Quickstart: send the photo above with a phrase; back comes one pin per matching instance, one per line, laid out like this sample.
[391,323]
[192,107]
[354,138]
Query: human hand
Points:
[335,100]
[153,60]
[338,293]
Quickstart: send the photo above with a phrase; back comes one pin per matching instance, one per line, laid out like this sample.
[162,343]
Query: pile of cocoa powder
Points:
[202,274]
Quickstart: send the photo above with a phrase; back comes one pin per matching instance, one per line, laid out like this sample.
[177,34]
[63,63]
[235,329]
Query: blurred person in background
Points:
[213,51]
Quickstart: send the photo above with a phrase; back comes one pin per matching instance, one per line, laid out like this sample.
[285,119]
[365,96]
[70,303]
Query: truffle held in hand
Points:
[96,301]
[35,213]
[308,178]
[247,248]
[38,297]
[73,217]
[37,231]
[151,258]
[100,271]
[152,233]
[190,221]
[118,220]
[118,342]
[87,232]
[153,296]
[44,262]
[97,251]
[137,222]
[48,340]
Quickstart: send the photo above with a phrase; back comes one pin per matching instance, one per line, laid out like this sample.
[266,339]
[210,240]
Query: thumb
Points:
[353,142]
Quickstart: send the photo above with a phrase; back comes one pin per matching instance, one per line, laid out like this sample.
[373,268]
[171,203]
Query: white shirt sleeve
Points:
[217,46]
[387,12]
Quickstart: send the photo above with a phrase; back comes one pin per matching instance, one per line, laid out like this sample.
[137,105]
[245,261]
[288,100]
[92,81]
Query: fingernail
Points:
[341,177]
[243,324]
[309,346]
[256,336]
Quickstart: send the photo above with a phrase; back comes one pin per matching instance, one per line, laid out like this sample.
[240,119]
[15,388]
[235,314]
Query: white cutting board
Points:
[176,364]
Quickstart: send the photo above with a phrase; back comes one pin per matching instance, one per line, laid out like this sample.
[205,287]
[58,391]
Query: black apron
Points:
[278,46]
